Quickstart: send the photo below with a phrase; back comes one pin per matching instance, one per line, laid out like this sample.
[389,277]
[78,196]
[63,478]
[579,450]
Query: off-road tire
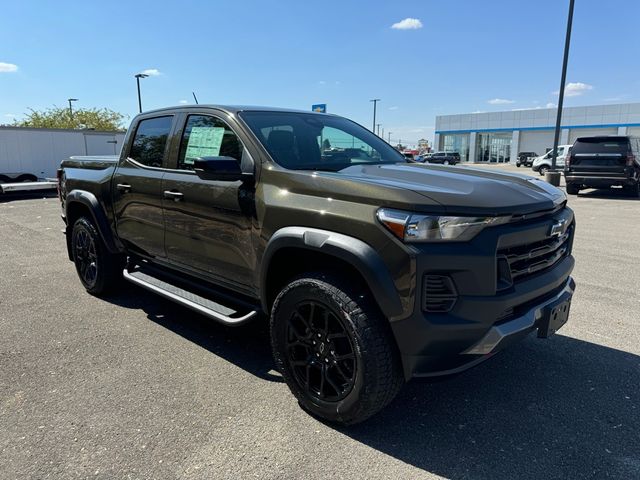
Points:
[108,266]
[573,189]
[378,373]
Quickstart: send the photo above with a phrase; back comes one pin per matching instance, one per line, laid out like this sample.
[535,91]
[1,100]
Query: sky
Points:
[421,58]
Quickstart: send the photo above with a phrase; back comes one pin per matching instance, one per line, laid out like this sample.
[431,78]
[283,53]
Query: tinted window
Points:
[302,141]
[150,141]
[206,136]
[600,145]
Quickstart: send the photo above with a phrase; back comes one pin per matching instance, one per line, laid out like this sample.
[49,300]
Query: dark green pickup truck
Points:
[370,268]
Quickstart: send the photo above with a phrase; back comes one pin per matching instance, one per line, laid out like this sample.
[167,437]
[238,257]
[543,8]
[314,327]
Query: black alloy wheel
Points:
[99,270]
[86,258]
[320,352]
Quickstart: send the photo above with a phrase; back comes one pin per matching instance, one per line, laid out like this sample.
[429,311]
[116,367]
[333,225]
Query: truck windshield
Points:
[307,141]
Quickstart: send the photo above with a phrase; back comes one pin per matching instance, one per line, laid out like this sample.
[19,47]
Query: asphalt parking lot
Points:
[135,387]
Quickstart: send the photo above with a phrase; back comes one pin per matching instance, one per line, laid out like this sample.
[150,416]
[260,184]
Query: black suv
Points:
[526,158]
[603,162]
[444,158]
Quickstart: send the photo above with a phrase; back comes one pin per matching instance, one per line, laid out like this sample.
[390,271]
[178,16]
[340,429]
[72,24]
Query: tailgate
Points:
[599,155]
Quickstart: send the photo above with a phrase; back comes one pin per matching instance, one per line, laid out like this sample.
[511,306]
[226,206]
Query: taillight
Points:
[59,176]
[567,161]
[631,159]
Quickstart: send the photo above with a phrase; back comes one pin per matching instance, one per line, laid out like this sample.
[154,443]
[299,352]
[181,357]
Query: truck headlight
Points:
[411,227]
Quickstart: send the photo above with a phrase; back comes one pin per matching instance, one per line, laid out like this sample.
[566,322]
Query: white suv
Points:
[543,162]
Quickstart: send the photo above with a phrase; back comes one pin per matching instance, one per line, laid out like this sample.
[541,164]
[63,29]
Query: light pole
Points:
[389,133]
[378,132]
[553,177]
[138,77]
[375,102]
[382,136]
[70,107]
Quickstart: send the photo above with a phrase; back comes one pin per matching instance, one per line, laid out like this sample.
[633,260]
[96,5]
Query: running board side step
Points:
[202,305]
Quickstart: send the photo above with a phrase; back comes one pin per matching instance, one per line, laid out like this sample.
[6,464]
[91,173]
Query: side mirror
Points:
[225,169]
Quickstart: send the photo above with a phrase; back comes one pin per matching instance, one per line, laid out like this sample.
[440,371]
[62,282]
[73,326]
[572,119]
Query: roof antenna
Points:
[194,97]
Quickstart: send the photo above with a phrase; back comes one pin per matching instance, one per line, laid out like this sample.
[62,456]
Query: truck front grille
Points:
[528,259]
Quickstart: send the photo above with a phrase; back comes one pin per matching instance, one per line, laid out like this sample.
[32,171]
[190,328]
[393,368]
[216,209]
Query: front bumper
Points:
[487,315]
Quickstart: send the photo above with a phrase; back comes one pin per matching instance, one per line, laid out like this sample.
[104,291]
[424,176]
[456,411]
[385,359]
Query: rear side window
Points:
[600,145]
[150,141]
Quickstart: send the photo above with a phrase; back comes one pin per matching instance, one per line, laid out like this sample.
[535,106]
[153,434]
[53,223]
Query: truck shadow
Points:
[556,408]
[246,346]
[608,193]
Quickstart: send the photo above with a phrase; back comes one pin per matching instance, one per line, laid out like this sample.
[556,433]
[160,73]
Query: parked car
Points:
[542,163]
[370,269]
[604,162]
[525,158]
[444,158]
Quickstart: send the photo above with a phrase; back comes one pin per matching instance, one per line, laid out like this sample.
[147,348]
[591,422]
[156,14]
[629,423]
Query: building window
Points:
[456,143]
[493,147]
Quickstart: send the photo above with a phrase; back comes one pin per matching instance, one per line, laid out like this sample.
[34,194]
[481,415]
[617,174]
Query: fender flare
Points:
[98,215]
[349,249]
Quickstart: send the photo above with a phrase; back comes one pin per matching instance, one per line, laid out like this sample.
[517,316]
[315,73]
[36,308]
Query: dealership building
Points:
[500,136]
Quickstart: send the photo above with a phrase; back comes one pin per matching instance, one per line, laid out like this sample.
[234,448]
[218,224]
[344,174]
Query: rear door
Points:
[209,223]
[599,155]
[137,187]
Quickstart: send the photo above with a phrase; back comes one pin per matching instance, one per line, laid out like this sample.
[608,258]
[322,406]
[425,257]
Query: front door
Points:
[208,223]
[137,188]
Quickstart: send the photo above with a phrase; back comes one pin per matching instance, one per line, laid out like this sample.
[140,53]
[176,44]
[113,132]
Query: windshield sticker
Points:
[203,142]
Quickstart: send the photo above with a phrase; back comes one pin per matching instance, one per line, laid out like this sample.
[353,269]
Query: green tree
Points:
[58,117]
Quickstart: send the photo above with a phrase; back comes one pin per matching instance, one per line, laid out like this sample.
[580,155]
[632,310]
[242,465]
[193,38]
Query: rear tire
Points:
[26,178]
[543,170]
[100,272]
[334,349]
[634,190]
[573,189]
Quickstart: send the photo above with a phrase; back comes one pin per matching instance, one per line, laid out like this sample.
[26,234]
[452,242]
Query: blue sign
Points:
[319,107]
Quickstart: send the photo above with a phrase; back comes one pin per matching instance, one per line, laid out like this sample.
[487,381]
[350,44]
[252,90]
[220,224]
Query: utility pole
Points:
[70,107]
[389,133]
[378,131]
[138,77]
[553,177]
[382,136]
[375,101]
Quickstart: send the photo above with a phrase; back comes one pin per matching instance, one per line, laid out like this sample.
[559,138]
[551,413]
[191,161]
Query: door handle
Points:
[175,196]
[123,187]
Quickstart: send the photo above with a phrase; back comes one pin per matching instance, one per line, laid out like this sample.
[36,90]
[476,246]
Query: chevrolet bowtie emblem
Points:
[558,229]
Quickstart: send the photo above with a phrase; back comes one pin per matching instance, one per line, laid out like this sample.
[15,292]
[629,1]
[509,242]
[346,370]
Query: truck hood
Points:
[463,190]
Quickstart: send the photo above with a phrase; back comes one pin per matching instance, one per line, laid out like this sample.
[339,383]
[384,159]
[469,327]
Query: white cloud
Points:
[322,82]
[575,89]
[10,115]
[152,72]
[551,105]
[8,67]
[183,102]
[478,111]
[407,24]
[393,108]
[500,101]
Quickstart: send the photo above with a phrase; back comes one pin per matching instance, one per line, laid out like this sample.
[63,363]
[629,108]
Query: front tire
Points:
[334,349]
[100,272]
[543,170]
